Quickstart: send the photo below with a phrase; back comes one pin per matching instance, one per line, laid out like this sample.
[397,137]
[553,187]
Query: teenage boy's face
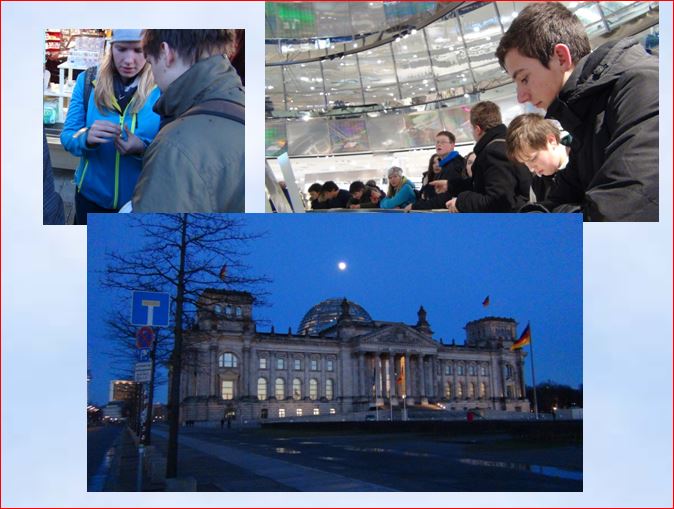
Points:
[545,161]
[535,83]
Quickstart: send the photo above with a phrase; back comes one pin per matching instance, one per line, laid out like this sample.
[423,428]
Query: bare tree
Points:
[183,255]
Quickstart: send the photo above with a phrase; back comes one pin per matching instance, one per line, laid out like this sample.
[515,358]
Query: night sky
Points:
[530,266]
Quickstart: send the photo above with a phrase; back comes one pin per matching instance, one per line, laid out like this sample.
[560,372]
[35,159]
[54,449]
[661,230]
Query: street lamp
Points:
[404,407]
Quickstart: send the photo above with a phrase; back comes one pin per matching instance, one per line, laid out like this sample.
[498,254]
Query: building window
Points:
[317,411]
[471,390]
[483,390]
[261,389]
[329,365]
[238,312]
[459,370]
[448,369]
[227,389]
[297,364]
[448,390]
[471,370]
[509,391]
[313,388]
[297,388]
[329,388]
[333,411]
[227,360]
[298,412]
[228,310]
[509,371]
[483,370]
[314,365]
[281,412]
[217,309]
[459,390]
[263,363]
[280,363]
[280,388]
[264,413]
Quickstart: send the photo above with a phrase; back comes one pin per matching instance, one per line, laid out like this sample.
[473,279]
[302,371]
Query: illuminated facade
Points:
[341,363]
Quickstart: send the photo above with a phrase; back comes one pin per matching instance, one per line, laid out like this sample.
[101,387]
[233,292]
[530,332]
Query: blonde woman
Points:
[110,123]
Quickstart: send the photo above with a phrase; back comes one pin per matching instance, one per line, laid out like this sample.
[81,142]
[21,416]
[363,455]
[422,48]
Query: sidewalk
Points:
[214,467]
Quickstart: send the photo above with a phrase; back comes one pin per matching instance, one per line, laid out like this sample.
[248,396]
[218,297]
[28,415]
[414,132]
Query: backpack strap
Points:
[219,108]
[89,77]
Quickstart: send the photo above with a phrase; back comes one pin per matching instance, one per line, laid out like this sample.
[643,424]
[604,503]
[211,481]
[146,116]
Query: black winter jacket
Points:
[452,172]
[610,107]
[498,184]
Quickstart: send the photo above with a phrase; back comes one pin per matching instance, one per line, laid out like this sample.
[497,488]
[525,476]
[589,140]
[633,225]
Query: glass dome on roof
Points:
[325,314]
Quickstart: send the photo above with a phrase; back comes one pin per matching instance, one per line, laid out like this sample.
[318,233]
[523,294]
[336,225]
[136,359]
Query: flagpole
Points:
[533,376]
[376,386]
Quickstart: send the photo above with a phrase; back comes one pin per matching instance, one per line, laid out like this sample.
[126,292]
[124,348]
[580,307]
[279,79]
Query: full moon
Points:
[341,266]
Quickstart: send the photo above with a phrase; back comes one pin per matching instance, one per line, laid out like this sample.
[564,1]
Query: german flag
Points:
[524,340]
[485,302]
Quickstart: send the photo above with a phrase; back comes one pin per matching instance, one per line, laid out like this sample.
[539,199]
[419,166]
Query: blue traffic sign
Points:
[143,354]
[150,308]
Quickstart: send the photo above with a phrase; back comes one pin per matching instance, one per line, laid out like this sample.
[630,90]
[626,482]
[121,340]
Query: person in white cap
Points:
[110,123]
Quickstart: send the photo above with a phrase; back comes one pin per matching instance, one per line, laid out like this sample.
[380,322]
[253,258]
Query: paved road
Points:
[99,442]
[316,461]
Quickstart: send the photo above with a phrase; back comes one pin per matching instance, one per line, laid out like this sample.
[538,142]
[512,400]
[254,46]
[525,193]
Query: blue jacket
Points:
[402,198]
[104,176]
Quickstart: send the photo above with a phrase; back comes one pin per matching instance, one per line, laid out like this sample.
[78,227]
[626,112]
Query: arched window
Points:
[280,386]
[459,390]
[261,389]
[471,390]
[313,388]
[448,390]
[329,388]
[297,388]
[227,360]
[459,370]
[228,310]
[238,312]
[509,371]
[483,390]
[471,369]
[217,309]
[483,370]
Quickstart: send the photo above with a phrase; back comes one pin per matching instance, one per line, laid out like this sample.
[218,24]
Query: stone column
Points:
[453,380]
[322,377]
[272,374]
[478,367]
[361,374]
[408,387]
[378,386]
[305,384]
[252,371]
[520,375]
[392,375]
[213,354]
[422,375]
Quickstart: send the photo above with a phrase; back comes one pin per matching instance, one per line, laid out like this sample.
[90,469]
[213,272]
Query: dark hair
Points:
[452,138]
[430,163]
[315,188]
[190,44]
[356,186]
[485,114]
[539,27]
[329,186]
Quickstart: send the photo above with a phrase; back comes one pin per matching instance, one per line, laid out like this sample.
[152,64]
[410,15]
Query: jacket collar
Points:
[495,132]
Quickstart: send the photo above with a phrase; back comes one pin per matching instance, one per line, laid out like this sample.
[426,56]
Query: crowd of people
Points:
[606,166]
[159,125]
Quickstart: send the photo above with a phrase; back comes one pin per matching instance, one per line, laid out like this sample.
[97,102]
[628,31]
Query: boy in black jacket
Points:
[499,185]
[607,100]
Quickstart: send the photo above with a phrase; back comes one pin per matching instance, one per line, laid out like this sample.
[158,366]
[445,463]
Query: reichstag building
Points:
[341,364]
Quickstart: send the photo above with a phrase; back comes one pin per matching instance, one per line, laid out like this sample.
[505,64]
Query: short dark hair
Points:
[452,138]
[539,27]
[356,186]
[315,188]
[190,44]
[485,114]
[329,186]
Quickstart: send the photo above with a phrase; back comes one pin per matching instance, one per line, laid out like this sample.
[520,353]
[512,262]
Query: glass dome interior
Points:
[325,314]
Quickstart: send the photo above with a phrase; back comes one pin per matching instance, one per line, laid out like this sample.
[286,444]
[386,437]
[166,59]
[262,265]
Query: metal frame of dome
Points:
[325,314]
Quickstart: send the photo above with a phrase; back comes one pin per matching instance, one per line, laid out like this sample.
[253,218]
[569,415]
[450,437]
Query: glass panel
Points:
[308,138]
[385,96]
[421,128]
[348,135]
[366,17]
[332,18]
[275,137]
[387,132]
[509,11]
[412,61]
[297,19]
[342,80]
[446,46]
[457,121]
[376,67]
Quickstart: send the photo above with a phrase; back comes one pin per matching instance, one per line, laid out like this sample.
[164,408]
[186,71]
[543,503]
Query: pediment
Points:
[397,334]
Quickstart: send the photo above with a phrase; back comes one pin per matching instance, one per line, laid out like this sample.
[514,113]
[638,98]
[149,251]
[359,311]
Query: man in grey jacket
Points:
[196,162]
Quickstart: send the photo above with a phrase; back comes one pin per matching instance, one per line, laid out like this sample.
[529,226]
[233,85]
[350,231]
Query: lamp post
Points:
[404,407]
